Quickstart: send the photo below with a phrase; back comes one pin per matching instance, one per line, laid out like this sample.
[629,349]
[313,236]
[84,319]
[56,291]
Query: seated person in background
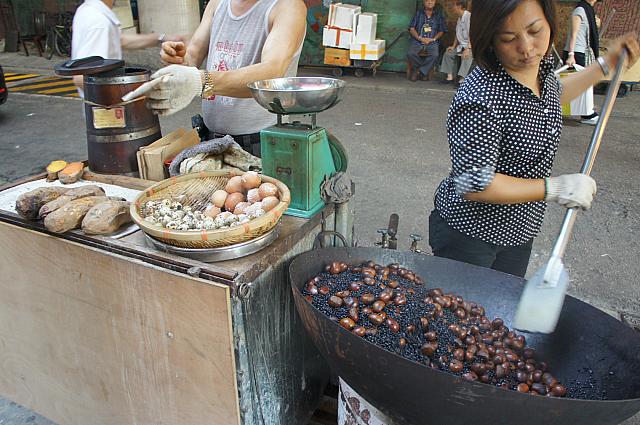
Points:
[426,28]
[461,45]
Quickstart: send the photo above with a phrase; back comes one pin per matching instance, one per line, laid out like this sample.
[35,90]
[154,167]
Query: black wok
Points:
[585,339]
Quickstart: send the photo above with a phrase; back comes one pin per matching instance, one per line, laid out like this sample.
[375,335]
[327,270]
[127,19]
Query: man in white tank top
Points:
[244,41]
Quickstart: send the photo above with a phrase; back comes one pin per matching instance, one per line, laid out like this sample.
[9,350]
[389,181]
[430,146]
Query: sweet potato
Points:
[71,214]
[72,194]
[106,217]
[71,173]
[28,204]
[54,168]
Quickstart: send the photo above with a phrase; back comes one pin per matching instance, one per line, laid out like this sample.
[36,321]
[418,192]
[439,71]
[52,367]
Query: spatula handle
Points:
[570,216]
[598,132]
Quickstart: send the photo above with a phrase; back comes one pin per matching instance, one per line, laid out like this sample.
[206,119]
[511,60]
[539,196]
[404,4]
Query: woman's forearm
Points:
[509,190]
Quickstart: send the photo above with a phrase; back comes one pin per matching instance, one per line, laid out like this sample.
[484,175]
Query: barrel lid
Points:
[88,66]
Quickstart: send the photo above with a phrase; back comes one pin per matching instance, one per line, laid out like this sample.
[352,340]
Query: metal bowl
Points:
[297,95]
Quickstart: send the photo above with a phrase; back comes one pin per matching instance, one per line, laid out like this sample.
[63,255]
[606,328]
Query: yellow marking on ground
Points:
[76,94]
[21,77]
[43,85]
[58,90]
[9,74]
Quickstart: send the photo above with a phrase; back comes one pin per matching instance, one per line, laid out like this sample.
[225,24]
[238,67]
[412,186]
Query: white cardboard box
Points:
[336,37]
[343,15]
[366,28]
[367,51]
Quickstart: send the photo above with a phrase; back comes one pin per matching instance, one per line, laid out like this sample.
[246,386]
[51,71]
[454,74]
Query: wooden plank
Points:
[90,337]
[123,181]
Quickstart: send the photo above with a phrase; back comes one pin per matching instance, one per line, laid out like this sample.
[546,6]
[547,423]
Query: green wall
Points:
[23,10]
[394,17]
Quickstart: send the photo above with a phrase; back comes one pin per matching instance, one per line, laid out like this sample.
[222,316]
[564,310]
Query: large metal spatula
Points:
[541,301]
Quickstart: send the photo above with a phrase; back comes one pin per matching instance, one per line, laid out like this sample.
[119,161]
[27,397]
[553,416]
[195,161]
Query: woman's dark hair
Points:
[487,19]
[461,3]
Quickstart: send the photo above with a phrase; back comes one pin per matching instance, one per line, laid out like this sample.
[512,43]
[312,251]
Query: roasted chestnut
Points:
[347,323]
[429,348]
[359,330]
[455,366]
[335,302]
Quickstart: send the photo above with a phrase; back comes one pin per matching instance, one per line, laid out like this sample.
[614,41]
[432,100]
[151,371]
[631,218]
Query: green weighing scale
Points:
[301,155]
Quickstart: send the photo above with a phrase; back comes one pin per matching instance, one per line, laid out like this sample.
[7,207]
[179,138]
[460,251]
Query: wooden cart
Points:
[359,66]
[109,331]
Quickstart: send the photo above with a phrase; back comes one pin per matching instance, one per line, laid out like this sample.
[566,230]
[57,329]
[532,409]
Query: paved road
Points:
[394,133]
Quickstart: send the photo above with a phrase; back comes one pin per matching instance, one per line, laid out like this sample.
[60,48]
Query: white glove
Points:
[171,89]
[571,190]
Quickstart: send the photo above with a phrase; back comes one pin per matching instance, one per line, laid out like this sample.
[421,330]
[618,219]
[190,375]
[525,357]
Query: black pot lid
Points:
[88,66]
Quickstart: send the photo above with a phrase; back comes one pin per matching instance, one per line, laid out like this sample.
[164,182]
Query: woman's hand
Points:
[571,60]
[628,41]
[571,190]
[466,53]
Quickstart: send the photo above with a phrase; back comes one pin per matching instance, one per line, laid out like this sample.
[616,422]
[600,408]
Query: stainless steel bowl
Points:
[297,95]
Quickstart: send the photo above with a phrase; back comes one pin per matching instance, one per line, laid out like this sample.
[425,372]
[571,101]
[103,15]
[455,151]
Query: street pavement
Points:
[394,132]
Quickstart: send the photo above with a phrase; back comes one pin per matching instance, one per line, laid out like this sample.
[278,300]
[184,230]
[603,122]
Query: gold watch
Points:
[207,87]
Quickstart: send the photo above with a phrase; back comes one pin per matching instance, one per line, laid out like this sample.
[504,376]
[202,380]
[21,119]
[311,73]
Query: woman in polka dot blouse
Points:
[503,127]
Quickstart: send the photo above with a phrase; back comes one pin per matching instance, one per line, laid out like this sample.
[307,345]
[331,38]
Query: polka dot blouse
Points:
[497,125]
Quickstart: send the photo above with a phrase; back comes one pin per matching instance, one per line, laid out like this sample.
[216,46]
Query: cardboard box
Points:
[367,51]
[366,28]
[151,158]
[337,37]
[343,16]
[338,57]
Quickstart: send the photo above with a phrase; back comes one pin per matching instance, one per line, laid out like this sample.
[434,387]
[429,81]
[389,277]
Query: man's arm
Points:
[415,35]
[284,40]
[198,47]
[141,41]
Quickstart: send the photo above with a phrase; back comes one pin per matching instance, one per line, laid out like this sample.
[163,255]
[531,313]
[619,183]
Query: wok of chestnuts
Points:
[394,308]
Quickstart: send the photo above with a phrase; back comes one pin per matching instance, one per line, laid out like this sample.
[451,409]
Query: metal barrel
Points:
[115,134]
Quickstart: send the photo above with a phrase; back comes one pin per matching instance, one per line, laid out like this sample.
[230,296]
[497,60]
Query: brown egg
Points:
[253,196]
[218,198]
[240,208]
[212,211]
[251,180]
[268,189]
[234,185]
[232,200]
[269,203]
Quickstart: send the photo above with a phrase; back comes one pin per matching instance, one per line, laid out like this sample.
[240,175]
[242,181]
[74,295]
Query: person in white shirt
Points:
[461,46]
[96,32]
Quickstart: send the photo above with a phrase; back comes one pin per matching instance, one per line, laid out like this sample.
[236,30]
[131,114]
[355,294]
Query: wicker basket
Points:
[198,187]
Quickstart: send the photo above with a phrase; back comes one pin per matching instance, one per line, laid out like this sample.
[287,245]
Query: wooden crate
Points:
[338,57]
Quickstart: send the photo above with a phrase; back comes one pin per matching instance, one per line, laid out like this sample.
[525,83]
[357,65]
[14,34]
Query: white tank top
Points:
[236,42]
